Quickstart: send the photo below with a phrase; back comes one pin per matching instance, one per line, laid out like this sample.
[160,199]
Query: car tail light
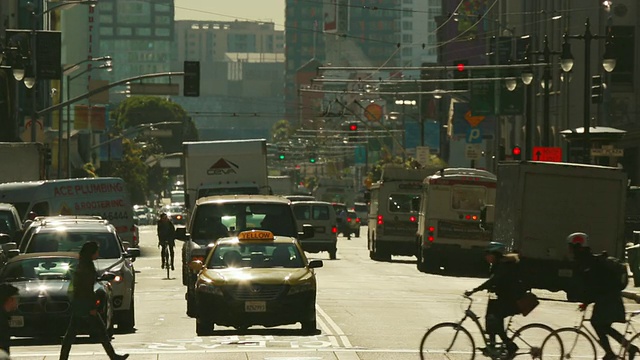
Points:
[357,220]
[334,230]
[380,220]
[135,235]
[98,302]
[412,218]
[431,236]
[178,217]
[348,219]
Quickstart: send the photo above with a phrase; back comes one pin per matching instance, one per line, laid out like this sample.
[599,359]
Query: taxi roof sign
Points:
[256,235]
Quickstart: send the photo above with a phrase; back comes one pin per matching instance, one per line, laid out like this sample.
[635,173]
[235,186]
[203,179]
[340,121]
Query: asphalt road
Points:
[365,309]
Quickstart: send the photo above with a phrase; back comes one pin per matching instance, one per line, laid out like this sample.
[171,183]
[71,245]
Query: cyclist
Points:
[506,284]
[166,235]
[600,290]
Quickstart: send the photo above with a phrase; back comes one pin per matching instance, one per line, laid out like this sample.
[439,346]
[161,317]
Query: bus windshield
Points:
[467,197]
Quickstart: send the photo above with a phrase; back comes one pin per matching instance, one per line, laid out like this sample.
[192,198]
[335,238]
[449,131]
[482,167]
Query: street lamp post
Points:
[65,71]
[608,63]
[30,82]
[107,65]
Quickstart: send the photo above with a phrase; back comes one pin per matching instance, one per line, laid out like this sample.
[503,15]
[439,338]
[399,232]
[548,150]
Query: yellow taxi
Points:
[255,278]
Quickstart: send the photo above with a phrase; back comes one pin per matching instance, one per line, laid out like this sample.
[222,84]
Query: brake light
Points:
[380,220]
[135,235]
[431,236]
[412,219]
[334,230]
[98,302]
[357,220]
[468,217]
[474,217]
[348,219]
[179,217]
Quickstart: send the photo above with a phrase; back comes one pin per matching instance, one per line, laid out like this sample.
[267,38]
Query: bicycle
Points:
[166,259]
[451,340]
[579,342]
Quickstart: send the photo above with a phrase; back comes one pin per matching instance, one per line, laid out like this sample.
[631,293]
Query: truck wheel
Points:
[185,275]
[204,327]
[309,327]
[332,254]
[357,233]
[191,305]
[128,319]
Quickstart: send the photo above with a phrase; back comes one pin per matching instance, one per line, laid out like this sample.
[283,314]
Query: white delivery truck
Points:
[281,184]
[335,190]
[225,167]
[539,203]
[393,212]
[106,197]
[22,161]
[449,236]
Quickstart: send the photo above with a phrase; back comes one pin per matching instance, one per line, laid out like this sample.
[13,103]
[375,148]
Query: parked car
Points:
[255,278]
[142,215]
[112,258]
[362,210]
[44,306]
[322,217]
[10,222]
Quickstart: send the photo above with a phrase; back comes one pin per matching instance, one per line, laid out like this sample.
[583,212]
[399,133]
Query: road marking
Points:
[336,328]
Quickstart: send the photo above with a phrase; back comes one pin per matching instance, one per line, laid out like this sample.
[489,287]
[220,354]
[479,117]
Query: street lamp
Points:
[34,69]
[608,63]
[108,65]
[66,71]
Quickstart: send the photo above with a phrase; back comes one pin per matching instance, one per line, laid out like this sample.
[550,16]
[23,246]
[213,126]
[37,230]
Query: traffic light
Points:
[516,152]
[353,127]
[281,156]
[191,85]
[461,72]
[47,156]
[596,89]
[312,158]
[353,132]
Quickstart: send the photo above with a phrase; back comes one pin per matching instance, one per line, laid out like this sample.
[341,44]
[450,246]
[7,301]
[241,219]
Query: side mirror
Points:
[8,246]
[181,233]
[307,232]
[196,266]
[313,264]
[13,253]
[107,276]
[132,253]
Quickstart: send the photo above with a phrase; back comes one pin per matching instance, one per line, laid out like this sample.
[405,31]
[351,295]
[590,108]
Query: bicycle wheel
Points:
[576,344]
[634,342]
[447,341]
[529,340]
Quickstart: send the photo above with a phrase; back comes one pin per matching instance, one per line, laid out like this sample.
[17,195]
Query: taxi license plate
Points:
[255,306]
[16,321]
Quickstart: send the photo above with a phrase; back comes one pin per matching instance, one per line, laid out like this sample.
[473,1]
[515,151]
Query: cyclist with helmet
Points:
[505,283]
[599,290]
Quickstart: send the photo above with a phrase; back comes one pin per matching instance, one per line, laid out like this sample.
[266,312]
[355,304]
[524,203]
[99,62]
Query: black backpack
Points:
[617,270]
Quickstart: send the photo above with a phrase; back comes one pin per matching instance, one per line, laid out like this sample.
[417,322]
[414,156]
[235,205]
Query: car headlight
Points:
[210,289]
[302,287]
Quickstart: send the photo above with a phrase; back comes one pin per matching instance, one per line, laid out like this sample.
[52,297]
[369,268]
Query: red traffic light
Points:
[516,151]
[460,66]
[353,127]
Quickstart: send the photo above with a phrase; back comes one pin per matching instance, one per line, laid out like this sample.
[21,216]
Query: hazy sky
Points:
[229,10]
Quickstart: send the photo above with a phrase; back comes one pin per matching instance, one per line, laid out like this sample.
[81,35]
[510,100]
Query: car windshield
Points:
[39,269]
[7,222]
[311,212]
[237,217]
[57,241]
[255,255]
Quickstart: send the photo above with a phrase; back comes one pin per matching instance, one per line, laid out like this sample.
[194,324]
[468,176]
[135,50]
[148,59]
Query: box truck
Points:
[23,161]
[225,167]
[538,204]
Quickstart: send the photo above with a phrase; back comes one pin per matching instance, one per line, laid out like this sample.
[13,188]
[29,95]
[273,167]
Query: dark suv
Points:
[69,237]
[10,223]
[236,213]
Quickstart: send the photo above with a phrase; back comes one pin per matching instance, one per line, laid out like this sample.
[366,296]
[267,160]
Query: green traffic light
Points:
[312,160]
[281,156]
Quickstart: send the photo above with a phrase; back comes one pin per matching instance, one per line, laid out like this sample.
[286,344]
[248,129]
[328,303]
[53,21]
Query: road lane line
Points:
[327,331]
[336,328]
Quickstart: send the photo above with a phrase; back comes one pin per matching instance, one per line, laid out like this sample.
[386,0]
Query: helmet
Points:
[495,247]
[578,239]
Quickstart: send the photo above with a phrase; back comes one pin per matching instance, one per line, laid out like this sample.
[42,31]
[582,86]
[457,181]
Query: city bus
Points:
[450,236]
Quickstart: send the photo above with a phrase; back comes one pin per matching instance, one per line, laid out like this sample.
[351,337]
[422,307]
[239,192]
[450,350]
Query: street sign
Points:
[474,136]
[473,151]
[546,153]
[607,151]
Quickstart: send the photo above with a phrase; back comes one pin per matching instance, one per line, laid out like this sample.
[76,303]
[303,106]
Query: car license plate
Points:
[255,306]
[16,321]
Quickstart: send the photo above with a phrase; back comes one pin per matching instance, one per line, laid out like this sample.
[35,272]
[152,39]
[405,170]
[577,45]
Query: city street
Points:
[365,310]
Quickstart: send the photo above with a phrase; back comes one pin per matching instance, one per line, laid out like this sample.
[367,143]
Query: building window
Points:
[106,19]
[407,25]
[163,20]
[407,1]
[143,31]
[125,31]
[407,12]
[106,6]
[407,51]
[158,7]
[163,32]
[106,31]
[407,38]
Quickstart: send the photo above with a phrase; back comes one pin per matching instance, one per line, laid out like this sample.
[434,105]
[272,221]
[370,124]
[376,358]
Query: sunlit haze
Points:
[224,10]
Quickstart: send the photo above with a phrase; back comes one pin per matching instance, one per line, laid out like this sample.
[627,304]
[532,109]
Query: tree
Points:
[138,110]
[131,169]
[281,132]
